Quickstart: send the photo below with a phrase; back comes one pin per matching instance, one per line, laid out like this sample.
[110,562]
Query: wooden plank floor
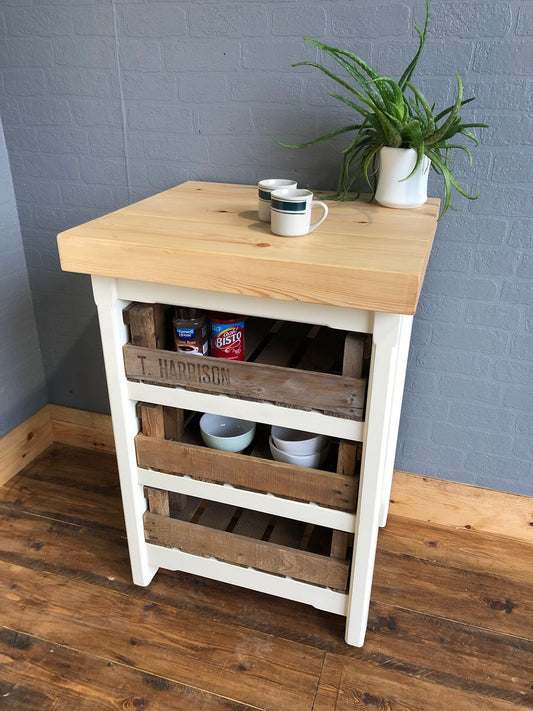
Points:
[450,628]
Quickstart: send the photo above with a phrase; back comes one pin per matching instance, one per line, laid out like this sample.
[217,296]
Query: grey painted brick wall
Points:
[108,101]
[22,381]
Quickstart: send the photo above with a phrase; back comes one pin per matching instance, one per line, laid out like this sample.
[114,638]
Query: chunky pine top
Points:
[207,235]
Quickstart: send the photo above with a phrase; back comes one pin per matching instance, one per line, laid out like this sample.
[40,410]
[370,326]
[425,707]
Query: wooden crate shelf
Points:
[290,364]
[254,470]
[251,539]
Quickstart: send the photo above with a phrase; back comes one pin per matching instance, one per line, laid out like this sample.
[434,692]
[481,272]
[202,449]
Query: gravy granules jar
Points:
[190,331]
[227,335]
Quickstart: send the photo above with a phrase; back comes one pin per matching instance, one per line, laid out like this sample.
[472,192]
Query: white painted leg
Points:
[379,398]
[402,354]
[125,424]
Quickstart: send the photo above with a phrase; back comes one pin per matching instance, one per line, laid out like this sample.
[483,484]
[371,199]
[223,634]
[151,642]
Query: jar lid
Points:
[221,317]
[185,313]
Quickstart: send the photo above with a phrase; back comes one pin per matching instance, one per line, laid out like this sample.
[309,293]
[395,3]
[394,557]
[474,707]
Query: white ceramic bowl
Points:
[297,442]
[226,433]
[308,460]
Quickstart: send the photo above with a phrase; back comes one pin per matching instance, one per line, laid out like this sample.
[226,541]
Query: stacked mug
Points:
[287,207]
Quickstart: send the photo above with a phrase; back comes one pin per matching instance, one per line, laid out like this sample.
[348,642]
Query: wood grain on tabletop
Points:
[207,235]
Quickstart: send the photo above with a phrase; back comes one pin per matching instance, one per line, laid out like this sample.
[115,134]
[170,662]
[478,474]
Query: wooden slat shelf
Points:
[256,471]
[289,364]
[251,539]
[283,358]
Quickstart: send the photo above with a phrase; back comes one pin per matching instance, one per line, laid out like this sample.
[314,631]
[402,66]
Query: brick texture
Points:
[108,101]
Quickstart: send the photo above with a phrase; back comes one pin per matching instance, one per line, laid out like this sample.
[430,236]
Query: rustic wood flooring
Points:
[450,628]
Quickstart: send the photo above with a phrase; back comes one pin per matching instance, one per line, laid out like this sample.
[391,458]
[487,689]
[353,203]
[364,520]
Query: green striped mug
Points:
[264,189]
[290,213]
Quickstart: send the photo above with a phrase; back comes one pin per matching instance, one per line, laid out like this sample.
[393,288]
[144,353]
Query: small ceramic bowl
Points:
[297,442]
[308,460]
[226,433]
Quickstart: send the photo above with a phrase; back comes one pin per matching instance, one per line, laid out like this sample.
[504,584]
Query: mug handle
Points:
[319,222]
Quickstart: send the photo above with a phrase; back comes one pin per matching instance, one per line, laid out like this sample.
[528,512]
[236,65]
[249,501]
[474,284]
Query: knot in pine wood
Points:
[507,606]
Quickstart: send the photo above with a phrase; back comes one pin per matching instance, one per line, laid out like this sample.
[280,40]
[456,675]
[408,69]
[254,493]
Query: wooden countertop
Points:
[207,235]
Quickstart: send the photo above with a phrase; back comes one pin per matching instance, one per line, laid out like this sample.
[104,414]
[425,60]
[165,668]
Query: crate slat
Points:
[256,332]
[153,425]
[352,366]
[152,419]
[320,541]
[285,342]
[267,476]
[323,350]
[339,395]
[147,323]
[240,550]
[349,454]
[147,328]
[187,509]
[287,532]
[174,422]
[216,515]
[252,524]
[339,545]
[304,540]
[354,354]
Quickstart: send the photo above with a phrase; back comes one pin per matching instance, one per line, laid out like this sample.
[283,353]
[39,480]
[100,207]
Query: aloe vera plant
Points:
[396,114]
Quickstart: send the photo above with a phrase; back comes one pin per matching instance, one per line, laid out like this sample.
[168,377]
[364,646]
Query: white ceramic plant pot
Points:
[394,165]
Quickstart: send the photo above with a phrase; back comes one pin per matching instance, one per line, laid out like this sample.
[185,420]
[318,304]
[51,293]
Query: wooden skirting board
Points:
[413,496]
[25,442]
[53,423]
[81,428]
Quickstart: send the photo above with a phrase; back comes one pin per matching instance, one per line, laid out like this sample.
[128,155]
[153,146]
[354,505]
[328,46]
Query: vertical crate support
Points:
[147,324]
[153,425]
[148,328]
[352,365]
[161,423]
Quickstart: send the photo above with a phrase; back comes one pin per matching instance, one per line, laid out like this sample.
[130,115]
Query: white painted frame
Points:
[391,334]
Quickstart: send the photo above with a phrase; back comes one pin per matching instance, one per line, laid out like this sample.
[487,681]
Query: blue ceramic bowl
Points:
[226,433]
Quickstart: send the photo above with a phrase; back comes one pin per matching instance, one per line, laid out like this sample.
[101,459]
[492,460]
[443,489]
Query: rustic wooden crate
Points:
[166,444]
[251,539]
[254,470]
[290,364]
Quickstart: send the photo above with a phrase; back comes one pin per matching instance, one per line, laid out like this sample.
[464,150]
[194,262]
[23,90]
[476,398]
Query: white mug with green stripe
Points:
[290,213]
[265,188]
